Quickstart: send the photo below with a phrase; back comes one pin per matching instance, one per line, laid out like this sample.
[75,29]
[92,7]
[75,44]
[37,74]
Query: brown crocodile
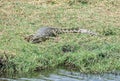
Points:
[45,33]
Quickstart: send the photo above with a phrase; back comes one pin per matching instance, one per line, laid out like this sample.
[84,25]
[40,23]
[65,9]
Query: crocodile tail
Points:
[77,30]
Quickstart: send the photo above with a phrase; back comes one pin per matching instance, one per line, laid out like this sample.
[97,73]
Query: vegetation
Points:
[88,54]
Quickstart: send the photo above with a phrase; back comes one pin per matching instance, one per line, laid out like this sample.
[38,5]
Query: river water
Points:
[60,75]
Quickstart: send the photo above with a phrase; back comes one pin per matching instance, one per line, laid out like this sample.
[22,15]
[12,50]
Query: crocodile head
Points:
[37,39]
[28,38]
[33,39]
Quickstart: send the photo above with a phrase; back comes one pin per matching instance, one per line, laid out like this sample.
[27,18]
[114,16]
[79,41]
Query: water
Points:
[60,75]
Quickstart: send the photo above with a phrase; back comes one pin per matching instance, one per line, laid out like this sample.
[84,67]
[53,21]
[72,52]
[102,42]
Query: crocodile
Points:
[45,33]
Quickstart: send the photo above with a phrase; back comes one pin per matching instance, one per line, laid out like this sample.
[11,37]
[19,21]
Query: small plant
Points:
[51,1]
[68,48]
[109,31]
[77,1]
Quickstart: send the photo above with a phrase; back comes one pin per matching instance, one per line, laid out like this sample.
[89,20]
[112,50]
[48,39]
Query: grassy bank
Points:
[74,51]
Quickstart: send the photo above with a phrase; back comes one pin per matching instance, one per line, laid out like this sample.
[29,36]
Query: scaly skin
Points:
[45,32]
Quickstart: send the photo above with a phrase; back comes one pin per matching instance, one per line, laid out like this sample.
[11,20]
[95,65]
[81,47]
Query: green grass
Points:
[88,54]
